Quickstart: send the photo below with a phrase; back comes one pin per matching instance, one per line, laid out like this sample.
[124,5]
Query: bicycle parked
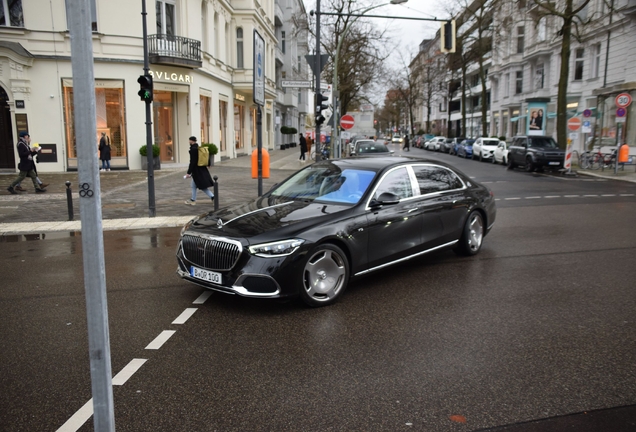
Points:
[591,159]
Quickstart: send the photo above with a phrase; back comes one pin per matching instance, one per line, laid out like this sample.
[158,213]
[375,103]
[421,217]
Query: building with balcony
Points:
[200,55]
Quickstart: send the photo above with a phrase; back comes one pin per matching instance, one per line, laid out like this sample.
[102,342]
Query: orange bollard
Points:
[265,163]
[623,154]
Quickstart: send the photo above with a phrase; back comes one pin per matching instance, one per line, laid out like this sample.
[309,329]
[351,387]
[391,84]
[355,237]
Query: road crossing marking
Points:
[128,371]
[185,315]
[161,339]
[79,418]
[203,297]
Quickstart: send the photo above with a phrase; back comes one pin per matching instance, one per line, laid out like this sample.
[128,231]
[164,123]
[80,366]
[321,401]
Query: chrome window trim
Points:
[464,186]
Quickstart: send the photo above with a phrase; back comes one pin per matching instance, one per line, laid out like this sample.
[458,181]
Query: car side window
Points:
[433,179]
[396,182]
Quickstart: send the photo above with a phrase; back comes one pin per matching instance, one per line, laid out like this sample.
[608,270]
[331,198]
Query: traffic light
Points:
[320,119]
[447,36]
[145,93]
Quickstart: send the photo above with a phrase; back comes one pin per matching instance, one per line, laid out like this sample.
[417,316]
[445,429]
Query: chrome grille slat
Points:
[211,253]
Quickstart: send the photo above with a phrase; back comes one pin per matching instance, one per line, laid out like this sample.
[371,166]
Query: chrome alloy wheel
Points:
[475,232]
[324,276]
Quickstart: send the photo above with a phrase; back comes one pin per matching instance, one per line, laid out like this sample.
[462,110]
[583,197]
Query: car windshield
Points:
[371,147]
[545,142]
[491,142]
[325,183]
[468,142]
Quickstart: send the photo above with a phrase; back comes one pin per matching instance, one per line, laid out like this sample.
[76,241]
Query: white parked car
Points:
[484,148]
[435,143]
[501,153]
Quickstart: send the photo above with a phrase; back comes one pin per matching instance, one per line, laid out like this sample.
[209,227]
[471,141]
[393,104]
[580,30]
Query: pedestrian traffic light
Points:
[447,36]
[320,119]
[145,93]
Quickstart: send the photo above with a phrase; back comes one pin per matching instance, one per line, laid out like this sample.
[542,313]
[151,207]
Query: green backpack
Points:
[204,157]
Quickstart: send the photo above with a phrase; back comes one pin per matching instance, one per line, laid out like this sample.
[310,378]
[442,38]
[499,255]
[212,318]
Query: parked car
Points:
[501,153]
[535,153]
[435,142]
[465,148]
[371,148]
[450,144]
[331,221]
[483,148]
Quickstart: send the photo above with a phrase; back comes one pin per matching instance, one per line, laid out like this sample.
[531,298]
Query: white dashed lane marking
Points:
[161,339]
[185,315]
[79,418]
[128,371]
[203,297]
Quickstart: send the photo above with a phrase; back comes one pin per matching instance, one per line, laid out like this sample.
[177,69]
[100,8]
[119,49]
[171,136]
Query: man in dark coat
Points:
[201,178]
[27,164]
[407,146]
[303,147]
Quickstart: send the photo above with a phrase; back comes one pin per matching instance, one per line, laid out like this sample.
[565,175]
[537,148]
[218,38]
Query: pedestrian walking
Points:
[200,175]
[303,147]
[104,151]
[406,143]
[27,164]
[36,147]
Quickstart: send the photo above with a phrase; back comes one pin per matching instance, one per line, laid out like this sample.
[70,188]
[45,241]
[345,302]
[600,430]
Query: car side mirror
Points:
[386,198]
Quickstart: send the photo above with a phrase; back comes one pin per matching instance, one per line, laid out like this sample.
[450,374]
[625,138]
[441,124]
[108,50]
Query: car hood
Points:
[262,216]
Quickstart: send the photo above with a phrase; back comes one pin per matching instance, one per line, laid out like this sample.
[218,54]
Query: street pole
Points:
[317,69]
[85,113]
[152,211]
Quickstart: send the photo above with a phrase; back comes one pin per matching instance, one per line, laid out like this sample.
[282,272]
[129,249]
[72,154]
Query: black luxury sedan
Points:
[334,220]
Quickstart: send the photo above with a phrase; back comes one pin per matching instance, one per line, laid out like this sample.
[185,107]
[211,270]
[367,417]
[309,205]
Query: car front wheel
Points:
[473,235]
[511,164]
[529,165]
[325,275]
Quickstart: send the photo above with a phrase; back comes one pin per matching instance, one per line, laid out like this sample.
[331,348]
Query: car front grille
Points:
[211,253]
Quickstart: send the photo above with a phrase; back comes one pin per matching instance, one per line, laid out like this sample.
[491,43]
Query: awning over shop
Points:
[514,119]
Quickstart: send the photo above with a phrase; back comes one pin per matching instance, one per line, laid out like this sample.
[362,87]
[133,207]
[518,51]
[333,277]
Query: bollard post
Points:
[69,200]
[216,193]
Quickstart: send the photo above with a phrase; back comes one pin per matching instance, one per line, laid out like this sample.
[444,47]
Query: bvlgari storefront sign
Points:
[171,77]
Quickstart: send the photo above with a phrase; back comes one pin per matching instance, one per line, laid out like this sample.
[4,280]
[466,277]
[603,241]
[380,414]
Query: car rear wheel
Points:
[473,235]
[325,275]
[529,165]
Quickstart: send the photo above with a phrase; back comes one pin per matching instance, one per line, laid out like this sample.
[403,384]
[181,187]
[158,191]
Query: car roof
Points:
[380,163]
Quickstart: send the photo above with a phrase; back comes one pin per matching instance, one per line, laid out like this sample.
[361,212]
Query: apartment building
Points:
[200,54]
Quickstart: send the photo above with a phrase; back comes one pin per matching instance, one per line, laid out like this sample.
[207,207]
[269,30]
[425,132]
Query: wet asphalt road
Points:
[540,324]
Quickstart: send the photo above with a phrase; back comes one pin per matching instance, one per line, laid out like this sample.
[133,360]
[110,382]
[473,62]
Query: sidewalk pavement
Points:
[124,195]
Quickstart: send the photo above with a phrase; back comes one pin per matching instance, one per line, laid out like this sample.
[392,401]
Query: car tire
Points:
[529,165]
[481,157]
[511,165]
[325,275]
[504,161]
[473,157]
[473,235]
[494,161]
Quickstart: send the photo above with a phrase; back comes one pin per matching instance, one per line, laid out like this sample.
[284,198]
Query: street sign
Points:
[297,84]
[347,121]
[587,113]
[621,112]
[259,72]
[620,119]
[623,100]
[311,59]
[587,127]
[574,123]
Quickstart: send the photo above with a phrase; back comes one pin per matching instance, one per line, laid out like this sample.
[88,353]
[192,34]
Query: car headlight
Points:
[276,249]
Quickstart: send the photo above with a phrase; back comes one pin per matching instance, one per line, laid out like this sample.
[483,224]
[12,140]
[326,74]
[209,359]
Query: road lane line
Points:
[203,297]
[627,194]
[590,195]
[533,197]
[571,196]
[510,199]
[161,339]
[79,418]
[608,195]
[185,315]
[128,371]
[552,196]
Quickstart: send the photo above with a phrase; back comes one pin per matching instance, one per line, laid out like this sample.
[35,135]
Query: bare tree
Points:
[407,82]
[429,65]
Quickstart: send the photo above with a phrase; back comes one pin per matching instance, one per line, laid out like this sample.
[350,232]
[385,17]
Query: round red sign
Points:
[623,100]
[347,121]
[574,123]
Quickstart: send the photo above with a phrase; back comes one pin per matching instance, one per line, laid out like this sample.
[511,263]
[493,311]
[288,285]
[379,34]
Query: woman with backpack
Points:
[201,178]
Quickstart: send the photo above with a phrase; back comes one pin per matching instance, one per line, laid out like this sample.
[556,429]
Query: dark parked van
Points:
[535,153]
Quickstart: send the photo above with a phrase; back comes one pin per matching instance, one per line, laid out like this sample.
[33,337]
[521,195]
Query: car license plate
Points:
[205,275]
[554,163]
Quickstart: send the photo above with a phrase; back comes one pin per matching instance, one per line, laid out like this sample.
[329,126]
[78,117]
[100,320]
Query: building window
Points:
[539,77]
[11,13]
[238,126]
[205,105]
[282,42]
[222,125]
[474,80]
[578,64]
[109,111]
[519,82]
[165,17]
[596,61]
[507,85]
[520,39]
[541,30]
[239,48]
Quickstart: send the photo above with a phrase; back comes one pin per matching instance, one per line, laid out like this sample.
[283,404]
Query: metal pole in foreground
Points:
[79,20]
[318,141]
[259,128]
[152,210]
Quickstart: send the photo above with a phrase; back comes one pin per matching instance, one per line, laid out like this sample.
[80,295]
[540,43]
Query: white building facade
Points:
[200,58]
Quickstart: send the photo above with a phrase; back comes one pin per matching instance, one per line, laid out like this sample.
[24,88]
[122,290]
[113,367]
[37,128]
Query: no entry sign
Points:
[347,121]
[574,124]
